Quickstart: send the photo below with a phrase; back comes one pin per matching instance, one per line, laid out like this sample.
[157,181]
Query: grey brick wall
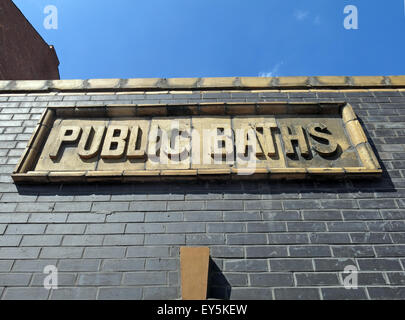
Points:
[268,240]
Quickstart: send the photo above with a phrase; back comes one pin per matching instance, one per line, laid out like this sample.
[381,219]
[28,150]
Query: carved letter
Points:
[66,134]
[90,141]
[155,142]
[222,145]
[115,142]
[261,143]
[177,144]
[289,137]
[137,143]
[265,139]
[319,130]
[246,143]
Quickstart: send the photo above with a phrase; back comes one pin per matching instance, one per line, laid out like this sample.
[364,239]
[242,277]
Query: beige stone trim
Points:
[355,132]
[103,83]
[348,114]
[147,83]
[367,157]
[397,80]
[332,81]
[286,82]
[201,174]
[64,177]
[62,85]
[247,82]
[174,84]
[368,81]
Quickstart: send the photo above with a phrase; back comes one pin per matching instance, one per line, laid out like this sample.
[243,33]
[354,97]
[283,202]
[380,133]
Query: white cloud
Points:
[274,71]
[265,74]
[301,15]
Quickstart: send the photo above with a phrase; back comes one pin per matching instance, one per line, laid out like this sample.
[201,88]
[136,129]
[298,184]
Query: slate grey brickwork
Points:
[268,240]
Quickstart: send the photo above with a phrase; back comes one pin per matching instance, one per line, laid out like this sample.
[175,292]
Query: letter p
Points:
[66,134]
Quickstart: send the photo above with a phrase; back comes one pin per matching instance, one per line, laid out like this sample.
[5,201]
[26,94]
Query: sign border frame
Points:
[370,165]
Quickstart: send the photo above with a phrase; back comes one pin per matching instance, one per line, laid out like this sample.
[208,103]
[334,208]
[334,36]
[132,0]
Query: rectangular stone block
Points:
[77,293]
[145,278]
[79,265]
[100,279]
[146,252]
[26,294]
[271,279]
[120,293]
[104,252]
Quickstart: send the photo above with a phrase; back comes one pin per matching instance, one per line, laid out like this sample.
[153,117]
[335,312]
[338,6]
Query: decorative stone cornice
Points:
[230,83]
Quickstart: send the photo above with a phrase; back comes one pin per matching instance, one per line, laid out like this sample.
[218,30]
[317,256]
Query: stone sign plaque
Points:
[197,141]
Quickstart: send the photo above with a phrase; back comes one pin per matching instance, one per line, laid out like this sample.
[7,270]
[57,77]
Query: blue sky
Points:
[214,38]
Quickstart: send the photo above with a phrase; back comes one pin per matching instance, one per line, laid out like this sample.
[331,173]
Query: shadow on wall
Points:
[218,285]
[264,187]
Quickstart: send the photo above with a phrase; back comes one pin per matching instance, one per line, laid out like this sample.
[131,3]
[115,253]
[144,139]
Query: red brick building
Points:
[24,55]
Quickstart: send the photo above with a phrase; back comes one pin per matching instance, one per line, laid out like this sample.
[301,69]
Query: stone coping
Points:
[321,82]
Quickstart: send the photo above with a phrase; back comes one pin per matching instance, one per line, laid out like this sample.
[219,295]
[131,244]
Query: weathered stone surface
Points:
[253,228]
[296,141]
